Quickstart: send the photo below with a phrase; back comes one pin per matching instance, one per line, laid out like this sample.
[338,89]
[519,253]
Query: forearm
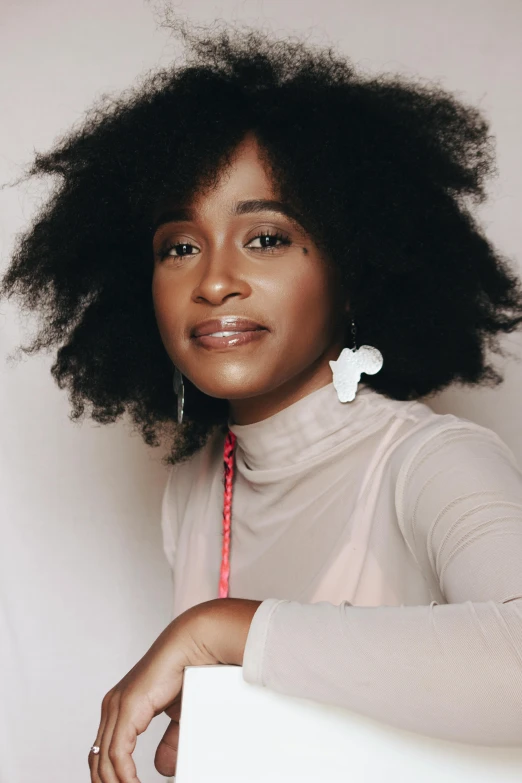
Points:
[452,671]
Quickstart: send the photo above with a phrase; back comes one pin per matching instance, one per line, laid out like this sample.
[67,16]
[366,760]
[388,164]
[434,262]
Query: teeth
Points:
[223,334]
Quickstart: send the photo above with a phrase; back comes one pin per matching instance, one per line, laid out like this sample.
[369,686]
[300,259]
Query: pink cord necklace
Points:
[228,458]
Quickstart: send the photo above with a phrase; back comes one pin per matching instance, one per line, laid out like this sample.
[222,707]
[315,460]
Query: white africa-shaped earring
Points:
[349,366]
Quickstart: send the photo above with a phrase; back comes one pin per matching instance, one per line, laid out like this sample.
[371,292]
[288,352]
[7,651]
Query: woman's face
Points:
[229,256]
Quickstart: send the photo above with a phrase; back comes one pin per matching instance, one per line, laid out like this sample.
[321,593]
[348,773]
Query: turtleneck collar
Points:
[307,428]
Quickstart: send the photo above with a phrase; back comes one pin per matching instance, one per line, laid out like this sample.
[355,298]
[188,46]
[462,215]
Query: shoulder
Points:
[447,462]
[200,467]
[458,502]
[183,479]
[436,440]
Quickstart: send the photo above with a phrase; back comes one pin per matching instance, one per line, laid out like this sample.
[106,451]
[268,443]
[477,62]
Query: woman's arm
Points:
[451,671]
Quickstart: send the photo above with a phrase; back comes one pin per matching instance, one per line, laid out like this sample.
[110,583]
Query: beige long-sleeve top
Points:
[385,543]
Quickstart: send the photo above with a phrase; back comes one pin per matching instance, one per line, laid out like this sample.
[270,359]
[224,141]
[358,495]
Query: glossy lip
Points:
[227,323]
[233,341]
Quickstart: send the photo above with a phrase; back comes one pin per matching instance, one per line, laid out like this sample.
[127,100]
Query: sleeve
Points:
[451,671]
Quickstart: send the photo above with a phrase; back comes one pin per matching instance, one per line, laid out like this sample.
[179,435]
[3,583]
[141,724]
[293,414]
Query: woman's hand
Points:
[209,633]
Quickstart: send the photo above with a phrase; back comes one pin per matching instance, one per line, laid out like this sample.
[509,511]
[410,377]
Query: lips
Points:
[226,341]
[225,324]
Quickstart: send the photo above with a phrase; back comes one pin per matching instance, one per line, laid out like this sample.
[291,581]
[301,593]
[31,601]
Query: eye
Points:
[178,250]
[268,240]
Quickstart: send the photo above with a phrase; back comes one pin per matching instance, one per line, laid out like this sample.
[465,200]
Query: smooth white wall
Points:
[84,589]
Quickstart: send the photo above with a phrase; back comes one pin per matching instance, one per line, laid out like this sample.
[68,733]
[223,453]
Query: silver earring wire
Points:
[179,390]
[354,346]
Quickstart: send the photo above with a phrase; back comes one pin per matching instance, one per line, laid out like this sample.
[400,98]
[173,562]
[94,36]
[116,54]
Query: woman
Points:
[290,244]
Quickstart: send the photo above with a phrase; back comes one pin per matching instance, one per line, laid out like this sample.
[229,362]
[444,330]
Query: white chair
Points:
[232,731]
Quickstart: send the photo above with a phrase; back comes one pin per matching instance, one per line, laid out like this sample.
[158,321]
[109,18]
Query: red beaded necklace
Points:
[228,458]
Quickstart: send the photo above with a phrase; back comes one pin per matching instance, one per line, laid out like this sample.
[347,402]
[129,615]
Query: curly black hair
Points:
[381,171]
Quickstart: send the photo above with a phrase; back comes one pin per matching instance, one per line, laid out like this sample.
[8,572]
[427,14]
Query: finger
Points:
[105,767]
[174,710]
[166,756]
[122,748]
[93,758]
[133,718]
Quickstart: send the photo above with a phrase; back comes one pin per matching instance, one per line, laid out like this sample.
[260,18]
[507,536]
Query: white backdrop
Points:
[84,588]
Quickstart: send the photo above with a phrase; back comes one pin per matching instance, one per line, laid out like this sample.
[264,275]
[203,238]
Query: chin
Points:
[237,388]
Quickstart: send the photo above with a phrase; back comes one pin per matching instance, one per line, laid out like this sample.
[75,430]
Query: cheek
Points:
[310,308]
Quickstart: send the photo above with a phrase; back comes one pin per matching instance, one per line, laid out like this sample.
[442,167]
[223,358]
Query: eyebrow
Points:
[250,207]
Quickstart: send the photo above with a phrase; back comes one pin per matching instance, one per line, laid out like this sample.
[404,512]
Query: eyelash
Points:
[283,238]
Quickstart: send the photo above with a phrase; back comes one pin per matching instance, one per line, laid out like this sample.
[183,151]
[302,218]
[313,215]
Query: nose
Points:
[221,276]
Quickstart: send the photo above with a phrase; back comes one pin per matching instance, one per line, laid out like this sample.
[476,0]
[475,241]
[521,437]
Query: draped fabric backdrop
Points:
[84,588]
